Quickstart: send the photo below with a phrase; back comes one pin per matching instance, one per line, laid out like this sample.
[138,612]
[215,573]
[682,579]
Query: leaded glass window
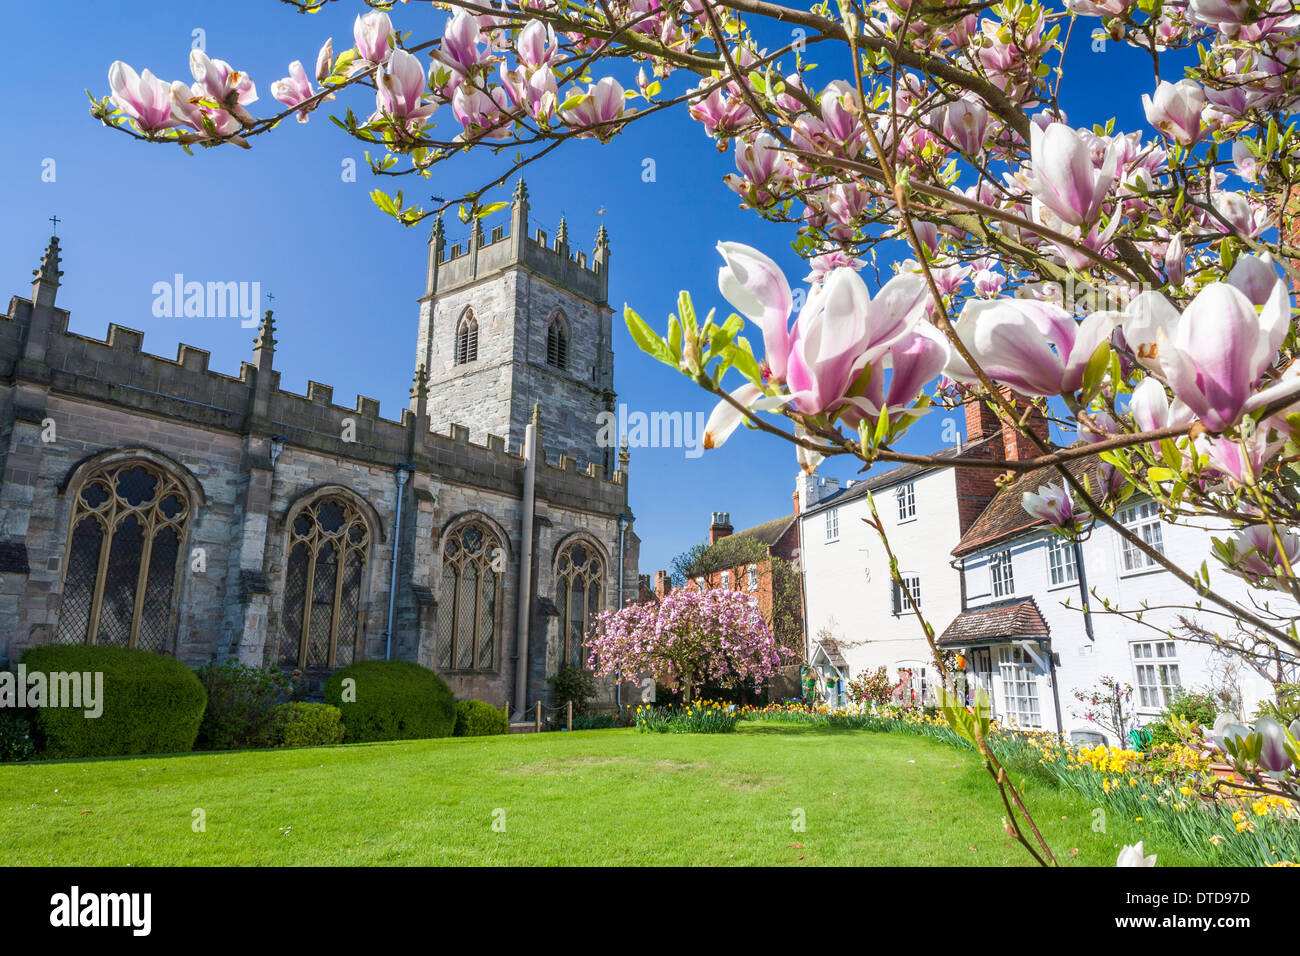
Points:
[579,584]
[467,339]
[128,525]
[329,548]
[469,603]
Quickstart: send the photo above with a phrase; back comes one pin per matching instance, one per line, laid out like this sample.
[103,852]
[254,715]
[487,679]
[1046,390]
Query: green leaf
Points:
[645,338]
[384,202]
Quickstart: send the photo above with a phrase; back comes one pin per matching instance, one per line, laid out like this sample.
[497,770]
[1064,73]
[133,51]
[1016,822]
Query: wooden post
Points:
[568,715]
[538,719]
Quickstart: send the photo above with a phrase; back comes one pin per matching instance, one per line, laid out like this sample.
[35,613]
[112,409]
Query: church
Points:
[155,503]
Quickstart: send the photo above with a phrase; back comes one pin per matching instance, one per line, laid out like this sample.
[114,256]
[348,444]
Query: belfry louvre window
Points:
[467,339]
[329,548]
[128,527]
[470,599]
[557,343]
[580,584]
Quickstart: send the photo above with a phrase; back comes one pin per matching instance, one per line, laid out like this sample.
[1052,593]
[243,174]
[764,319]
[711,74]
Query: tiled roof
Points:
[769,532]
[1007,619]
[1005,515]
[890,477]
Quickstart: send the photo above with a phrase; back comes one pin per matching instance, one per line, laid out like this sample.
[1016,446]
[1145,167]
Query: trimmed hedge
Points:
[302,724]
[152,704]
[478,718]
[392,700]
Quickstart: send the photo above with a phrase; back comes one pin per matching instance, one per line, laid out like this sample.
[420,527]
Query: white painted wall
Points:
[1081,662]
[847,585]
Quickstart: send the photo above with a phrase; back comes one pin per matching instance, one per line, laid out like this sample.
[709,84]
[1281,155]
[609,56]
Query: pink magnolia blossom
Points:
[1252,554]
[373,35]
[842,329]
[294,88]
[601,105]
[1220,348]
[912,363]
[1051,503]
[481,114]
[1064,177]
[1176,111]
[219,81]
[400,87]
[536,46]
[1035,347]
[757,289]
[964,122]
[143,97]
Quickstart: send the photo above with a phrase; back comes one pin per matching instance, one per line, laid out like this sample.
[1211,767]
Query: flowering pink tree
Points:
[1131,283]
[687,640]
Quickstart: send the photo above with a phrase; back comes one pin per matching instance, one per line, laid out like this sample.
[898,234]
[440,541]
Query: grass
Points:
[587,797]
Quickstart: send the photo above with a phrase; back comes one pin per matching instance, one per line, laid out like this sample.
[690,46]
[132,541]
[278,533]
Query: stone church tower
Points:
[510,321]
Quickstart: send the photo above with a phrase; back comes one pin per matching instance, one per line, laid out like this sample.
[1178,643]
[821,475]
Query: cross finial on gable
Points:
[55,220]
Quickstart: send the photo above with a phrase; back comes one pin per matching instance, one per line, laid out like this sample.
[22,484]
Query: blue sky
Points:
[345,278]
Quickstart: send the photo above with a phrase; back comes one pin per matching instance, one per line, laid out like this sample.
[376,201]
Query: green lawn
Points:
[591,797]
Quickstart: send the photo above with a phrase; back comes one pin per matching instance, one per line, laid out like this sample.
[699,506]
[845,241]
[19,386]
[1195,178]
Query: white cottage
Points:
[1022,633]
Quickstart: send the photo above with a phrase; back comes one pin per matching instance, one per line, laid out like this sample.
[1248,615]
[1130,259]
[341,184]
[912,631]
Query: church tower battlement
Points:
[509,320]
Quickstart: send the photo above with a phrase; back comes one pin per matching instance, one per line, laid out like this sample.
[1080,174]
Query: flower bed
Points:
[1171,787]
[698,717]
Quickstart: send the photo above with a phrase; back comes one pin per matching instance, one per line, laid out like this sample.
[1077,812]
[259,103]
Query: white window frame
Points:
[1062,562]
[1156,673]
[833,524]
[906,495]
[904,599]
[1002,579]
[1143,519]
[726,580]
[1019,679]
[751,574]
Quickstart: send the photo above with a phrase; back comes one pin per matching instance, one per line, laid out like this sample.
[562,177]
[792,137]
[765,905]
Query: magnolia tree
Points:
[1131,284]
[686,641]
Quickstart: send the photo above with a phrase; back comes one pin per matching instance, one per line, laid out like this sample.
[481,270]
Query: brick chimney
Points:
[977,486]
[662,584]
[794,495]
[721,527]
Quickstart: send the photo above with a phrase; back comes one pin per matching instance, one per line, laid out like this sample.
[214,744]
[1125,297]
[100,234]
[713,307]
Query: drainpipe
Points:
[1056,691]
[1083,590]
[623,521]
[402,474]
[525,567]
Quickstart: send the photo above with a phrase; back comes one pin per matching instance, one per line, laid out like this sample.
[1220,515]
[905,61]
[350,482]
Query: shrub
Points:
[478,718]
[16,740]
[1200,708]
[240,700]
[1161,733]
[573,684]
[151,703]
[392,700]
[302,724]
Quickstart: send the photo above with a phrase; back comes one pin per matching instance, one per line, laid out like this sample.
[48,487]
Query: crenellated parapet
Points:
[506,244]
[116,371]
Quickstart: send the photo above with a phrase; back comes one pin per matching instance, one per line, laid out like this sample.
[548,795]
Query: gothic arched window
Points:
[467,339]
[128,527]
[470,599]
[579,584]
[557,343]
[329,548]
